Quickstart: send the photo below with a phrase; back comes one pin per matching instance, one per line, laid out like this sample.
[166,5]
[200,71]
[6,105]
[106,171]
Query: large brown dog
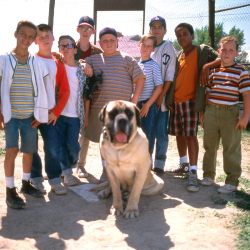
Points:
[124,147]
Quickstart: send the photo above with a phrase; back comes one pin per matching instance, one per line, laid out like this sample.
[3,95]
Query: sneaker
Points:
[58,189]
[182,170]
[81,172]
[71,180]
[193,185]
[207,181]
[227,189]
[13,200]
[27,188]
[39,186]
[158,171]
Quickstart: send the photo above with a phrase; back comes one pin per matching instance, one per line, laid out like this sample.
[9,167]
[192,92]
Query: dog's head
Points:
[120,119]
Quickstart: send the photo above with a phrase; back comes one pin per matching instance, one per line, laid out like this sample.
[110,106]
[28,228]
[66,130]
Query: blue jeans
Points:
[51,148]
[161,136]
[148,124]
[68,129]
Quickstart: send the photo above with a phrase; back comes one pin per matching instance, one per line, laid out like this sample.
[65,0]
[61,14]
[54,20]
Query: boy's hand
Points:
[35,123]
[86,122]
[159,101]
[88,71]
[201,118]
[204,75]
[242,123]
[1,121]
[144,109]
[52,118]
[58,56]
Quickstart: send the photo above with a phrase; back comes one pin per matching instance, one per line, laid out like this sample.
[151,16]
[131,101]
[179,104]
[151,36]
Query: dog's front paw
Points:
[105,193]
[131,213]
[116,211]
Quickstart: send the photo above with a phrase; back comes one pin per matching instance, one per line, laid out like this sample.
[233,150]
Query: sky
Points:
[68,12]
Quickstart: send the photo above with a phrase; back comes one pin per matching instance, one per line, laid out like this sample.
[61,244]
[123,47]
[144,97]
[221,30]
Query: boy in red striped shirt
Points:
[222,119]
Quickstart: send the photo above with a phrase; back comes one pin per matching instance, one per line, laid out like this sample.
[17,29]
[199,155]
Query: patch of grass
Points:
[244,237]
[221,178]
[2,151]
[241,200]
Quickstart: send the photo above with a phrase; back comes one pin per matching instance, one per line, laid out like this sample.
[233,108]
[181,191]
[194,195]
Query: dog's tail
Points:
[154,187]
[100,186]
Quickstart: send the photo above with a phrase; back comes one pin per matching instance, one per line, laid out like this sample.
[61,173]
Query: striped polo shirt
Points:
[153,78]
[227,83]
[118,73]
[21,92]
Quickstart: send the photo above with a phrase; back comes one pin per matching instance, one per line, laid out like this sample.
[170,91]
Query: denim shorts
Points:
[27,133]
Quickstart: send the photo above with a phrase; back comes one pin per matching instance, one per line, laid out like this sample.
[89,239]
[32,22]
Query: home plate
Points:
[84,191]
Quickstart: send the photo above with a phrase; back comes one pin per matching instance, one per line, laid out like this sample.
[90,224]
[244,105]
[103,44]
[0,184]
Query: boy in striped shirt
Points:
[152,89]
[221,117]
[23,107]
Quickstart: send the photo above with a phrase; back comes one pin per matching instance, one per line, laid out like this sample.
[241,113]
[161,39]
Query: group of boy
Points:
[172,83]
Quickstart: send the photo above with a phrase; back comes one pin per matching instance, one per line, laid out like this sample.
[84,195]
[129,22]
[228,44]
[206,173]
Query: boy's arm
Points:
[139,85]
[243,120]
[152,99]
[62,86]
[86,112]
[1,115]
[205,70]
[165,89]
[168,72]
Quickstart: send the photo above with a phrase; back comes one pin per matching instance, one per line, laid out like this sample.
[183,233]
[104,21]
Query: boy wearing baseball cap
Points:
[85,28]
[164,54]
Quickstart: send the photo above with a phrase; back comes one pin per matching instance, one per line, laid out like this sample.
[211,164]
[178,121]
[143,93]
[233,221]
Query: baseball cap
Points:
[86,20]
[159,19]
[107,30]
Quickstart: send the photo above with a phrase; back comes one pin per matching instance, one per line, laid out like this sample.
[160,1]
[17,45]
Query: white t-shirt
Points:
[50,80]
[70,109]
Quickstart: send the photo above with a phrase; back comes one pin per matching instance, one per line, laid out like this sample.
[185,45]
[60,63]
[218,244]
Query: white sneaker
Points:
[71,180]
[227,189]
[39,186]
[207,181]
[58,189]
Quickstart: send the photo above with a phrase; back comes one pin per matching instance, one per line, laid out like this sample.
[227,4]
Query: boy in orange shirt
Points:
[188,100]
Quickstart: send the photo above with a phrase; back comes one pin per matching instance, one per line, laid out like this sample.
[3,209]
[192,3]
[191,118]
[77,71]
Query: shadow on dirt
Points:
[205,197]
[152,233]
[51,223]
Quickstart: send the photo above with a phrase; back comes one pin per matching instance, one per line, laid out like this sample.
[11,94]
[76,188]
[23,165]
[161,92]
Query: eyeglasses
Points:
[66,46]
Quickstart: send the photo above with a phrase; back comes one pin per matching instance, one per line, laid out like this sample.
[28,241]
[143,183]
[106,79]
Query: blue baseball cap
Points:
[159,19]
[86,20]
[107,30]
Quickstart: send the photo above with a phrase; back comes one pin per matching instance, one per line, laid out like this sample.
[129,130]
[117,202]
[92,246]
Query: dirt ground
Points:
[175,219]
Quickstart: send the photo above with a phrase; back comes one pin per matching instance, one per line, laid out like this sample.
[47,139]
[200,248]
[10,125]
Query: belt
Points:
[223,106]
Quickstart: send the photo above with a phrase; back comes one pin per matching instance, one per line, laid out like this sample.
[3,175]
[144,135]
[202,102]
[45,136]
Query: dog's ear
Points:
[102,113]
[138,117]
